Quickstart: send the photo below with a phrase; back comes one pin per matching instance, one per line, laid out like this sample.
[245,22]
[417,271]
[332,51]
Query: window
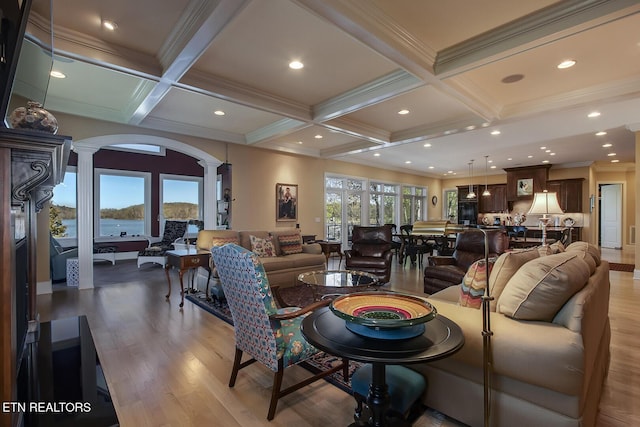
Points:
[413,204]
[450,205]
[181,199]
[343,206]
[382,203]
[62,212]
[121,200]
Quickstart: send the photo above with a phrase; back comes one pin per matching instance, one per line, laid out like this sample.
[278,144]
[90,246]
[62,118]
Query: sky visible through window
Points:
[122,191]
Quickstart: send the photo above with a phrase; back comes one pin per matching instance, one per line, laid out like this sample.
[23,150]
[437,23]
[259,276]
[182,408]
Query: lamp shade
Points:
[544,204]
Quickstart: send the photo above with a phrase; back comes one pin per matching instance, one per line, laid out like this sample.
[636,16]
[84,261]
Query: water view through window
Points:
[122,205]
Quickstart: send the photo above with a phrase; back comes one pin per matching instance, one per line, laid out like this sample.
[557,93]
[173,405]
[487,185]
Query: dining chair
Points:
[266,333]
[414,246]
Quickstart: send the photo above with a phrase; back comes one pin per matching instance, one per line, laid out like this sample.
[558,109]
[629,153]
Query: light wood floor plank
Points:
[170,367]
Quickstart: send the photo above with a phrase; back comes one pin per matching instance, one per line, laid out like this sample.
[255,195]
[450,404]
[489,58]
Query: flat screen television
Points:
[13,23]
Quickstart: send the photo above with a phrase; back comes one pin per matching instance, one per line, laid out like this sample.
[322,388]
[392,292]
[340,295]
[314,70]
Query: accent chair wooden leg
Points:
[236,367]
[275,392]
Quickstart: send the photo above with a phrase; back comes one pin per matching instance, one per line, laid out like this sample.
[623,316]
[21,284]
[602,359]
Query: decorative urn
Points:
[34,117]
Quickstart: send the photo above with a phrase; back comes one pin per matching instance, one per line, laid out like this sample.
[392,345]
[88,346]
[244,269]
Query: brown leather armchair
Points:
[371,251]
[445,271]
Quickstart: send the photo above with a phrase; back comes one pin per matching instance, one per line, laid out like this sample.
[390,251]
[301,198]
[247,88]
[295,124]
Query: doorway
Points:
[610,208]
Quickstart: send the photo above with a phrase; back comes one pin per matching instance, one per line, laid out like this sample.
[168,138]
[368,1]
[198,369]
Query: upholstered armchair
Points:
[266,333]
[58,257]
[173,231]
[371,251]
[445,271]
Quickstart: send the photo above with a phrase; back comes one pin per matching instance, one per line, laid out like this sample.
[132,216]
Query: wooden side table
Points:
[331,247]
[185,260]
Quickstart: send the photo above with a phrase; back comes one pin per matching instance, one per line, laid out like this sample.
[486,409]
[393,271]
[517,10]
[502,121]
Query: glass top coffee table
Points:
[330,283]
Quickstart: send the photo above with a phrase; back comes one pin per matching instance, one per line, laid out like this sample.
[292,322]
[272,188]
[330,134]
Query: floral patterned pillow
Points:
[262,247]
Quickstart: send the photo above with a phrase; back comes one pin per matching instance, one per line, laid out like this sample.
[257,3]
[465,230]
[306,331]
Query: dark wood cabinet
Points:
[523,182]
[31,164]
[496,202]
[569,193]
[463,190]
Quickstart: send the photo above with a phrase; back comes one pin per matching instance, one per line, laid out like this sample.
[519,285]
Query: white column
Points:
[84,214]
[210,208]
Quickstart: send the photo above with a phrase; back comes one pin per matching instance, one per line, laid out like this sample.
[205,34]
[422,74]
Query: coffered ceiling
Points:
[461,68]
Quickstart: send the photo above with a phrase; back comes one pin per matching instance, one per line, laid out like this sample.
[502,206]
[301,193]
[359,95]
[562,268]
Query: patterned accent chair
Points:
[58,259]
[173,231]
[269,335]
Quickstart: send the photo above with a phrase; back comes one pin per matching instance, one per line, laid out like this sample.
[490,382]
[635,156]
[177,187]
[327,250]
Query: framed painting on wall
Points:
[286,202]
[525,187]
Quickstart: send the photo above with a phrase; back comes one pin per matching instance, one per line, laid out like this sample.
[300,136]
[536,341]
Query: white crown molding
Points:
[353,147]
[607,92]
[275,130]
[82,47]
[358,129]
[435,130]
[192,130]
[385,87]
[371,26]
[207,84]
[518,34]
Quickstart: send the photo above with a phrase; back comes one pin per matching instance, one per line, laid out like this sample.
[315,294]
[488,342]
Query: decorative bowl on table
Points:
[384,315]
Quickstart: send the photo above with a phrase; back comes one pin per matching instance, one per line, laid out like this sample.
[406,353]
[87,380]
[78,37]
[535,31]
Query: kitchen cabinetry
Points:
[463,190]
[496,202]
[569,193]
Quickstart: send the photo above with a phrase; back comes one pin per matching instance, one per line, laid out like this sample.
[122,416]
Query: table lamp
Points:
[545,203]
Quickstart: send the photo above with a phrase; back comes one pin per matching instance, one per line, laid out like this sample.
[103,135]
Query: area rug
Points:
[616,266]
[322,361]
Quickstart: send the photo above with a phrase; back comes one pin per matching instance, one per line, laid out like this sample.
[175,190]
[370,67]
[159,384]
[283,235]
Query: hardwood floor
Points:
[170,367]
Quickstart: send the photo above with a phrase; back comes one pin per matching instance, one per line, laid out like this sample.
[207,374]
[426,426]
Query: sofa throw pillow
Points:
[506,266]
[290,243]
[262,247]
[474,284]
[542,286]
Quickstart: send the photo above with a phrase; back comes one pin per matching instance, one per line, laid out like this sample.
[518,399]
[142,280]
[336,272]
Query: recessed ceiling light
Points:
[543,148]
[403,112]
[219,113]
[547,151]
[471,127]
[300,142]
[567,63]
[601,133]
[449,171]
[57,74]
[495,132]
[611,154]
[509,158]
[109,25]
[296,65]
[408,162]
[529,156]
[607,145]
[493,167]
[593,114]
[432,167]
[318,137]
[552,154]
[427,145]
[615,161]
[545,161]
[376,154]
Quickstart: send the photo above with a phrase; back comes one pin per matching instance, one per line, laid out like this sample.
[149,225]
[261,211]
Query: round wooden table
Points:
[328,332]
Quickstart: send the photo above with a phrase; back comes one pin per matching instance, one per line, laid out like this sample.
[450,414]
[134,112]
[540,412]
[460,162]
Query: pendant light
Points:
[471,194]
[486,191]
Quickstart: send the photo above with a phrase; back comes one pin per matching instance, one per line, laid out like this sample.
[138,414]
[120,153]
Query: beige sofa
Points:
[282,270]
[546,372]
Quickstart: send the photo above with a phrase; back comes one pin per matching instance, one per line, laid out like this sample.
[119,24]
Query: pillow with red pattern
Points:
[474,284]
[262,247]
